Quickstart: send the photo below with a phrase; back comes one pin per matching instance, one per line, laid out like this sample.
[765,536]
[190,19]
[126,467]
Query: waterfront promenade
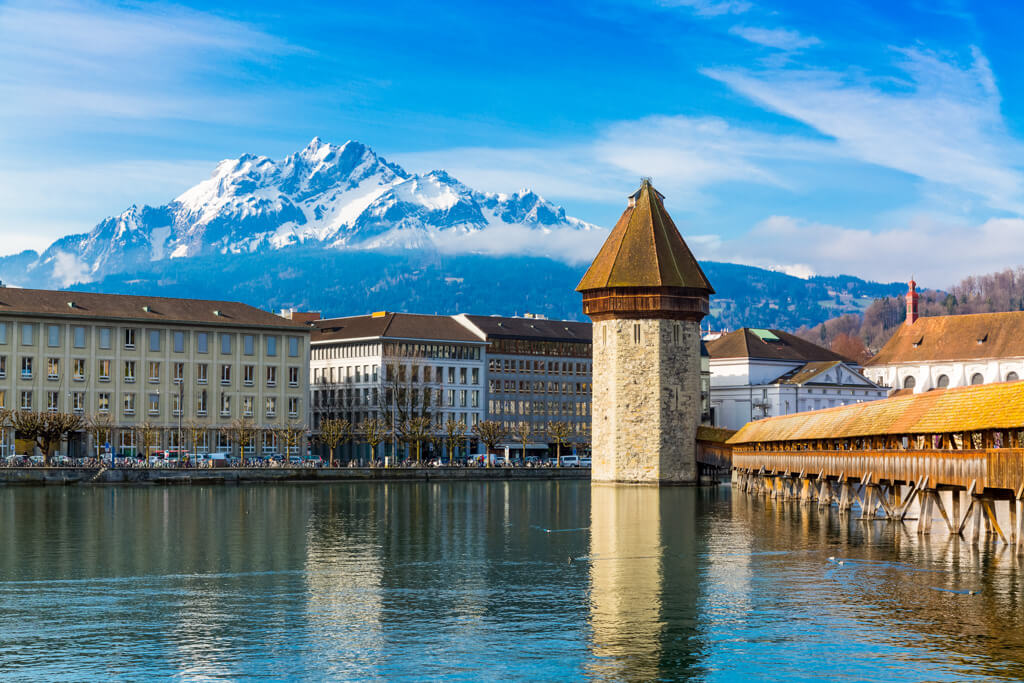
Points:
[43,476]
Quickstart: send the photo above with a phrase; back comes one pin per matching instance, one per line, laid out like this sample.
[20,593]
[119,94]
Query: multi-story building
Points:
[396,365]
[538,371]
[938,352]
[179,366]
[758,373]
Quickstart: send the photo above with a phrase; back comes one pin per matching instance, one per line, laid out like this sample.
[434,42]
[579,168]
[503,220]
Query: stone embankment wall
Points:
[73,475]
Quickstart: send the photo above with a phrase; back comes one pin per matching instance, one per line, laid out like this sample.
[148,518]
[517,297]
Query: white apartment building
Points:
[389,365]
[161,361]
[758,373]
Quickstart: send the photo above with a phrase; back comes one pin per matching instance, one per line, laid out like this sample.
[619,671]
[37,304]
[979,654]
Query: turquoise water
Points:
[484,581]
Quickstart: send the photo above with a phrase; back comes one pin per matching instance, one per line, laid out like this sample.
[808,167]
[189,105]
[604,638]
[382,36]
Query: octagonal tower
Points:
[646,294]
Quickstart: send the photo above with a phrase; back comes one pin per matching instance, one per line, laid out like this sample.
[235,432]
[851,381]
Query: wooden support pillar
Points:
[937,498]
[1020,519]
[924,519]
[993,521]
[805,490]
[955,529]
[867,509]
[845,499]
[976,505]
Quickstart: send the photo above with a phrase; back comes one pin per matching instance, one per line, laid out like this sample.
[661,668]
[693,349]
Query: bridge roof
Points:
[940,411]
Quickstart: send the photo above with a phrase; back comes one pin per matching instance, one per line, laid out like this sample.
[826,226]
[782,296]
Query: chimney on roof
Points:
[299,316]
[911,302]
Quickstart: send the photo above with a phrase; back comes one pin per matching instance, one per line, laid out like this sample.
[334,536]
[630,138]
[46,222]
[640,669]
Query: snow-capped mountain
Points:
[338,196]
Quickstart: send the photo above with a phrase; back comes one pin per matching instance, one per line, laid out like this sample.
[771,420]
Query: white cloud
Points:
[941,122]
[938,251]
[780,38]
[68,269]
[565,244]
[710,8]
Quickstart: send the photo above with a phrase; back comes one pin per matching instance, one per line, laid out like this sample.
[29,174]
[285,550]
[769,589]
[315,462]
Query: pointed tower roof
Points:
[645,249]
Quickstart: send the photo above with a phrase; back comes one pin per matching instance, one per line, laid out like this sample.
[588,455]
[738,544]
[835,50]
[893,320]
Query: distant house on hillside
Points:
[758,373]
[943,351]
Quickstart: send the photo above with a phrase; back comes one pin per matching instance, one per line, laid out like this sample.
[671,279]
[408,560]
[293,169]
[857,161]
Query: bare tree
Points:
[146,434]
[101,428]
[560,432]
[414,431]
[454,432]
[522,431]
[333,433]
[241,431]
[490,432]
[291,436]
[194,429]
[373,430]
[45,428]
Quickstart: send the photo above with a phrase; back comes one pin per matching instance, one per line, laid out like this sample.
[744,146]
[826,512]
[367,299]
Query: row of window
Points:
[909,382]
[220,440]
[392,373]
[356,419]
[129,367]
[129,404]
[538,367]
[464,398]
[529,347]
[527,408]
[507,386]
[154,339]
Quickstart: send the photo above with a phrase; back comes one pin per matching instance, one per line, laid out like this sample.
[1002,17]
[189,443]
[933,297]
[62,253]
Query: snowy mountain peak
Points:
[341,196]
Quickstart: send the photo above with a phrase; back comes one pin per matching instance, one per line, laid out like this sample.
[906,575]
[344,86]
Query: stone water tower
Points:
[646,295]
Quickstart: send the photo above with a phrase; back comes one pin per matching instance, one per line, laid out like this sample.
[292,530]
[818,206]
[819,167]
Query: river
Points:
[488,581]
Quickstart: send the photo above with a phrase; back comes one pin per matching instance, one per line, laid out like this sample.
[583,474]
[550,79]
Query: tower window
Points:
[636,333]
[676,334]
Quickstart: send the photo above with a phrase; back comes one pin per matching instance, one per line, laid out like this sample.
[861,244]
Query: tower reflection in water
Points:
[644,582]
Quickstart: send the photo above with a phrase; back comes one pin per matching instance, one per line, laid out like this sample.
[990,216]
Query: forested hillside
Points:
[862,335]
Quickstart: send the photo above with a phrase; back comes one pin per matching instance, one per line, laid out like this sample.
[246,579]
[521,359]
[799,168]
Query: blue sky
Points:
[881,139]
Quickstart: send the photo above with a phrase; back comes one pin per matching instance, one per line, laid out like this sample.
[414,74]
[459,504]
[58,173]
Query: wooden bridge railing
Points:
[994,468]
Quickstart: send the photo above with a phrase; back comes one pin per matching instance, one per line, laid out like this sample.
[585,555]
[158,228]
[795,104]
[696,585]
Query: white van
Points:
[570,461]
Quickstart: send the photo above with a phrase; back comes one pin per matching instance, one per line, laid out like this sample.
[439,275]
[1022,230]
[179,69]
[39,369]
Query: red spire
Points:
[911,302]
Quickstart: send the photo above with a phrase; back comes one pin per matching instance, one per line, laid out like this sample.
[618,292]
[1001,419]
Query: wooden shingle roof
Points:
[940,411]
[645,249]
[748,342]
[955,337]
[384,325]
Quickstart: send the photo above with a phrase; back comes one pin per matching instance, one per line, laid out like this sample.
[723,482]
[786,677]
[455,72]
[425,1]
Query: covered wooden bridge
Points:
[917,454]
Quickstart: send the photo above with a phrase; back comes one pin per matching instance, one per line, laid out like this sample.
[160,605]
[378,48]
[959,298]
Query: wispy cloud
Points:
[939,120]
[779,38]
[710,8]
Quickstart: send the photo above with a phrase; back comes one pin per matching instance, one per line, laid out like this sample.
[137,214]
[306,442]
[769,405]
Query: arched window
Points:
[909,382]
[976,378]
[942,382]
[1011,377]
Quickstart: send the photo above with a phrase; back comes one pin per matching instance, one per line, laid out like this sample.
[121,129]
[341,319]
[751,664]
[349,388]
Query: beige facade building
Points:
[646,295]
[169,363]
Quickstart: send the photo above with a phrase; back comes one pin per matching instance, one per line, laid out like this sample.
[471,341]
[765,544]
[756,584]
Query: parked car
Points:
[570,461]
[295,460]
[585,461]
[531,461]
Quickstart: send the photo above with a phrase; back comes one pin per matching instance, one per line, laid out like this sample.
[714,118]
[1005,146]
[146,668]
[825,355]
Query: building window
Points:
[1010,376]
[78,370]
[52,401]
[179,373]
[154,340]
[225,374]
[676,334]
[909,382]
[3,333]
[293,406]
[476,375]
[78,336]
[27,333]
[3,367]
[271,403]
[78,401]
[52,368]
[53,335]
[636,333]
[26,367]
[26,400]
[154,372]
[129,371]
[293,347]
[271,376]
[202,342]
[248,373]
[129,403]
[247,406]
[977,378]
[225,344]
[201,403]
[129,338]
[104,337]
[942,382]
[272,346]
[225,405]
[201,373]
[179,342]
[248,344]
[293,377]
[154,403]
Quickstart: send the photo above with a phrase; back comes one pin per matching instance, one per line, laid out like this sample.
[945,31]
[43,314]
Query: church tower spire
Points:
[646,294]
